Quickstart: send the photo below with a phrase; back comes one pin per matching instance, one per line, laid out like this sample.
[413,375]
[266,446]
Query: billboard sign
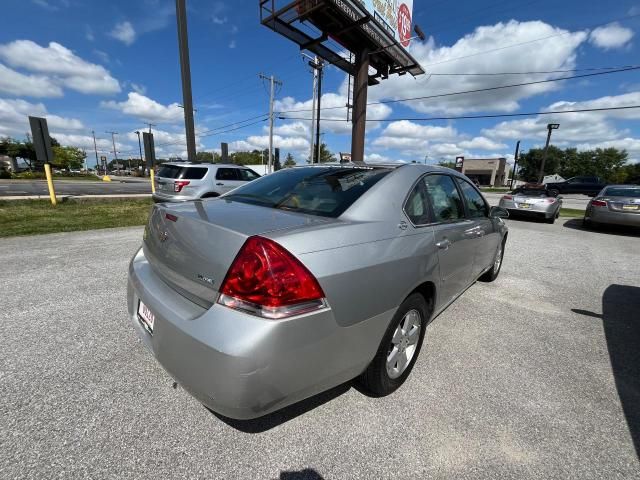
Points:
[393,15]
[459,164]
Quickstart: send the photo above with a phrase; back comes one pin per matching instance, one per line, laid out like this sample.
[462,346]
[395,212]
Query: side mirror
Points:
[498,212]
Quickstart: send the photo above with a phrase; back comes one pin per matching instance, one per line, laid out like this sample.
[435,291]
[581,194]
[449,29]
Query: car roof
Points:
[389,165]
[205,165]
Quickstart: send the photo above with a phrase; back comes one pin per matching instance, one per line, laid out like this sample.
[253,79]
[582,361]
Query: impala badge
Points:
[162,236]
[205,279]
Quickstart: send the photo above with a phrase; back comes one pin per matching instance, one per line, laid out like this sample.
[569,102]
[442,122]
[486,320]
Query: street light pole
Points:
[550,127]
[115,154]
[95,147]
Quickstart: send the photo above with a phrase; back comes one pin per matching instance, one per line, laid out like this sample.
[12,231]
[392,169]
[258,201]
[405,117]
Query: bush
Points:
[4,174]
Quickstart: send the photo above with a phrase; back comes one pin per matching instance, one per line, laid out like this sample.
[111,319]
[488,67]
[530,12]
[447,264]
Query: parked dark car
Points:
[586,185]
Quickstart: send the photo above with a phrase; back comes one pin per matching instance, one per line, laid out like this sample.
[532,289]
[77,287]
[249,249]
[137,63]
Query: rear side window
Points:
[445,199]
[248,175]
[629,191]
[475,203]
[320,191]
[169,171]
[227,174]
[417,205]
[193,173]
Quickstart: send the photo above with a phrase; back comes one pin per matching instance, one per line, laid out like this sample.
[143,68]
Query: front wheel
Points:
[399,348]
[492,274]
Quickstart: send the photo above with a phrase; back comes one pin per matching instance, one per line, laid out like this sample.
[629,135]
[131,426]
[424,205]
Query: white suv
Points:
[177,182]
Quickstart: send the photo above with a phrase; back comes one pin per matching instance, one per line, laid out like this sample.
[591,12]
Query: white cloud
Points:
[259,142]
[405,128]
[124,32]
[85,142]
[631,145]
[14,117]
[611,36]
[15,83]
[141,89]
[482,143]
[468,55]
[61,65]
[219,20]
[232,44]
[294,129]
[574,127]
[88,33]
[144,108]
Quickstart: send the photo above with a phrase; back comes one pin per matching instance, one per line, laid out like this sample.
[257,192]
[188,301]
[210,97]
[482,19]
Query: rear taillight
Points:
[551,200]
[598,203]
[268,281]
[179,185]
[507,197]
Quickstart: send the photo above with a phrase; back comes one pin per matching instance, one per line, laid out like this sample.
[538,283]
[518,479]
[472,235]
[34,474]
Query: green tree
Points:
[325,154]
[289,161]
[448,164]
[68,157]
[205,157]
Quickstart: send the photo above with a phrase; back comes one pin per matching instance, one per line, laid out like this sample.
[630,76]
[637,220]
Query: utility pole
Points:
[115,154]
[95,147]
[515,164]
[144,168]
[273,82]
[150,125]
[550,127]
[313,107]
[185,70]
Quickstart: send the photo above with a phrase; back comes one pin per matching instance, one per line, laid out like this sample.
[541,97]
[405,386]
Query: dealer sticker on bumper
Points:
[146,317]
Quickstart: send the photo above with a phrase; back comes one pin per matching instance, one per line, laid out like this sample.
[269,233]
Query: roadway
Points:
[30,188]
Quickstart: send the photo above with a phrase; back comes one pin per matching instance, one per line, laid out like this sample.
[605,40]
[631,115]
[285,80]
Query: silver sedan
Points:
[533,201]
[614,205]
[308,278]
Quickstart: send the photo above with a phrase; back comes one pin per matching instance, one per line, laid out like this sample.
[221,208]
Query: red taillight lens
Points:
[266,280]
[179,185]
[551,200]
[598,203]
[507,197]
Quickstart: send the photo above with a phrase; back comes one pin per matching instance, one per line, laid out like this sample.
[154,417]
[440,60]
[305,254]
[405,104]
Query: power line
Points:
[470,117]
[478,90]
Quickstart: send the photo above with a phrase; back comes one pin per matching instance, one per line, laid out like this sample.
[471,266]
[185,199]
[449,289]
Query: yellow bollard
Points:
[52,192]
[153,184]
[106,178]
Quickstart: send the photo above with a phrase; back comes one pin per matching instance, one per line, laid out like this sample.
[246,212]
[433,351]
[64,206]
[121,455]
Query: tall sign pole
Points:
[185,70]
[95,148]
[360,85]
[313,107]
[272,89]
[44,152]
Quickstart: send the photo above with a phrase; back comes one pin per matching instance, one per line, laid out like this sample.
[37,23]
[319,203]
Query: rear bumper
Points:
[161,197]
[606,216]
[243,366]
[531,212]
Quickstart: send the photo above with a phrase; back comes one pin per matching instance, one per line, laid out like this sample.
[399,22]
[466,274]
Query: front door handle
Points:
[220,184]
[443,244]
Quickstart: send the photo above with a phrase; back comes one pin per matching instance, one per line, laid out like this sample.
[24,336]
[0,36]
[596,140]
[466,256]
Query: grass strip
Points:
[36,217]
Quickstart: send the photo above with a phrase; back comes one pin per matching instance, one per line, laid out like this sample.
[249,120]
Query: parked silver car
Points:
[182,181]
[534,201]
[307,278]
[614,205]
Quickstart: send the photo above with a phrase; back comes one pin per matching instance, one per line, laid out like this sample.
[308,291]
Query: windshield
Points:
[630,191]
[319,191]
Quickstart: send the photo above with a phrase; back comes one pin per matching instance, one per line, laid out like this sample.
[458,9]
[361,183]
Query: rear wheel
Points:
[399,348]
[551,220]
[492,274]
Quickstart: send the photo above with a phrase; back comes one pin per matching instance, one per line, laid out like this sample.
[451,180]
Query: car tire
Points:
[492,274]
[385,374]
[588,224]
[551,220]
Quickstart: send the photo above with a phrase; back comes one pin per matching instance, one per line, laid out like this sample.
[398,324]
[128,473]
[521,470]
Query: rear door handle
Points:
[220,184]
[443,244]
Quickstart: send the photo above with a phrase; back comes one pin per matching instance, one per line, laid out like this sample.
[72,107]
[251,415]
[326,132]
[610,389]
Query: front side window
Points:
[444,197]
[475,203]
[227,174]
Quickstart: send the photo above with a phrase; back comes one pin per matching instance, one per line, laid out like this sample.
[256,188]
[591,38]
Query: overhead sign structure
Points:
[345,157]
[375,32]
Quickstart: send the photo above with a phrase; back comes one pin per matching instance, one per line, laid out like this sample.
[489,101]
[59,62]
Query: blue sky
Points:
[103,66]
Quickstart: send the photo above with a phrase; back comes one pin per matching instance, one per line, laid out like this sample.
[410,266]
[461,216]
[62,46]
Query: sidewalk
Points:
[62,198]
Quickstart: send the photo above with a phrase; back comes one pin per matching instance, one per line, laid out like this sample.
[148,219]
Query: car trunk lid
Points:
[191,245]
[623,204]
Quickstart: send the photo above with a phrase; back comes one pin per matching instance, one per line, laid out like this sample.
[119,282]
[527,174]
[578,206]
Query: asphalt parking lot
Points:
[534,376]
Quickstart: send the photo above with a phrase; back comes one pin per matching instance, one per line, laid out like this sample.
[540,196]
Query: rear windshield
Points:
[326,192]
[623,192]
[182,173]
[531,192]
